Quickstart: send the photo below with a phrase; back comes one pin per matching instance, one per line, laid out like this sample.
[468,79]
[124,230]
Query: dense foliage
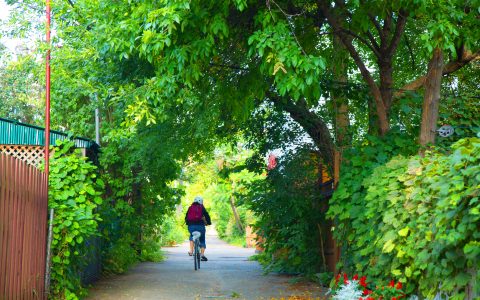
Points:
[415,219]
[290,211]
[75,194]
[136,185]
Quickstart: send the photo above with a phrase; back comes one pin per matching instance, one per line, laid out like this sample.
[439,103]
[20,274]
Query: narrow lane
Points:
[227,275]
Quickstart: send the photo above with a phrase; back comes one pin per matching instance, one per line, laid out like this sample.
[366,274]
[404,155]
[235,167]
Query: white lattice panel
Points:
[33,155]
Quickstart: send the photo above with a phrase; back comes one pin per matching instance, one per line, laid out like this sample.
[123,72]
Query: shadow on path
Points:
[227,275]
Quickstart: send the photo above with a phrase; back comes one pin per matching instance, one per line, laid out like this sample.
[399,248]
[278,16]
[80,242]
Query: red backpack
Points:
[195,213]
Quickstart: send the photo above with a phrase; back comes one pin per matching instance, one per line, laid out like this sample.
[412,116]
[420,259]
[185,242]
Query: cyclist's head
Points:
[198,200]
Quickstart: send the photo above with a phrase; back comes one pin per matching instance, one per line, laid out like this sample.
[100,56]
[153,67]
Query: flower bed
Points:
[343,288]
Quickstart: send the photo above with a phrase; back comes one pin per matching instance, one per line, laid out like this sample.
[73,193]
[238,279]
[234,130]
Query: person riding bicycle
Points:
[197,218]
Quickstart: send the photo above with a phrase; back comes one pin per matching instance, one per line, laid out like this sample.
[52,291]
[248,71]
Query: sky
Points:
[3,10]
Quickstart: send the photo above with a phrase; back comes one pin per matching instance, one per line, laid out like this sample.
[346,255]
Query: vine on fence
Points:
[74,194]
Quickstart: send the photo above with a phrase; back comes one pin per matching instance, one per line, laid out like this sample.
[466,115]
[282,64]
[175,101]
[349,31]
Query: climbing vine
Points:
[416,220]
[74,194]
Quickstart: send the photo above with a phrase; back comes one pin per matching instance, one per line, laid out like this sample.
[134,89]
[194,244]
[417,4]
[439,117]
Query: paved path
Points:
[227,275]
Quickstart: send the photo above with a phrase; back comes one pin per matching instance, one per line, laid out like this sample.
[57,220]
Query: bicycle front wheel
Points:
[198,259]
[195,257]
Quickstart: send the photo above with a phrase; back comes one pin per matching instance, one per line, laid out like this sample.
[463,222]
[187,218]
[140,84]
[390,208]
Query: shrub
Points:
[289,214]
[173,230]
[417,220]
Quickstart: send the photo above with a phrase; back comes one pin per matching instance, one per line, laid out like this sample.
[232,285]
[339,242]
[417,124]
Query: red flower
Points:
[392,283]
[363,281]
[345,278]
[370,298]
[399,285]
[337,279]
[394,298]
[367,292]
[355,277]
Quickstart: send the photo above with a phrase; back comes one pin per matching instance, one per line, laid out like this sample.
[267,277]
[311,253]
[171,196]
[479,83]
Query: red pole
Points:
[47,151]
[47,106]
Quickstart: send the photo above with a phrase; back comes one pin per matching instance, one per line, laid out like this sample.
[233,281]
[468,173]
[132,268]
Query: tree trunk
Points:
[340,101]
[235,214]
[386,83]
[390,35]
[137,203]
[431,99]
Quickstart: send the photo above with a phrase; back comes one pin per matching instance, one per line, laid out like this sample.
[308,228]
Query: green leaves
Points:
[294,72]
[388,247]
[74,194]
[404,232]
[419,216]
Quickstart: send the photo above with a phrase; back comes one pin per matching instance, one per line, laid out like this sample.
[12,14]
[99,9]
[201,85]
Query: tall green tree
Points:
[233,52]
[232,56]
[20,88]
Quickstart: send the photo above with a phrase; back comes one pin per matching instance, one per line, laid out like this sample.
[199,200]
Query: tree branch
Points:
[465,58]
[353,52]
[229,66]
[313,125]
[410,51]
[372,40]
[399,29]
[376,24]
[363,40]
[387,26]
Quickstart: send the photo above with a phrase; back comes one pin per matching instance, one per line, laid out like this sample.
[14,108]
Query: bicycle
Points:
[196,249]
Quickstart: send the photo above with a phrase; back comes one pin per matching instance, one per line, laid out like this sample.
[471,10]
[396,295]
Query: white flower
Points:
[349,291]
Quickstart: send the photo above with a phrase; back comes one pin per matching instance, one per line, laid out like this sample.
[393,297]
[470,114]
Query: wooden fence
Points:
[23,230]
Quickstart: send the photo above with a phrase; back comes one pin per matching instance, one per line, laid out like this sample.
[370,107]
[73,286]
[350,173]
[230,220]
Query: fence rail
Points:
[23,230]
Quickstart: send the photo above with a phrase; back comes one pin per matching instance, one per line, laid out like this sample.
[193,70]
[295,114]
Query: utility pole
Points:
[97,126]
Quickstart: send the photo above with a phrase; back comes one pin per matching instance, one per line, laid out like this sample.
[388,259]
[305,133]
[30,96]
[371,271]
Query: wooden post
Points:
[336,179]
[336,168]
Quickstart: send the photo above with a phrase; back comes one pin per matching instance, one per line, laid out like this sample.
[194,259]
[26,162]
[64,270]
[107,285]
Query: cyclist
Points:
[197,218]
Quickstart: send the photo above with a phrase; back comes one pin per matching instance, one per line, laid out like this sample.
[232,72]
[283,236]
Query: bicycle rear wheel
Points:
[198,255]
[195,250]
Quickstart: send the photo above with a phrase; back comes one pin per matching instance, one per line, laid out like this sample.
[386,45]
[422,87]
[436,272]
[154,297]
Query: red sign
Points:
[272,161]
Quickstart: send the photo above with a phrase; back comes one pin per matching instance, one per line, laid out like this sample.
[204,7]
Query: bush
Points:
[289,214]
[119,256]
[416,220]
[173,230]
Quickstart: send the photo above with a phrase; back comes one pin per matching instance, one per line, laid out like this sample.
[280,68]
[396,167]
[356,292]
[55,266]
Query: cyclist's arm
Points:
[207,216]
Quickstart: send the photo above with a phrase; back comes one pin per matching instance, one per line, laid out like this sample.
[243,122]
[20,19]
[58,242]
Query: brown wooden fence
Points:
[23,230]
